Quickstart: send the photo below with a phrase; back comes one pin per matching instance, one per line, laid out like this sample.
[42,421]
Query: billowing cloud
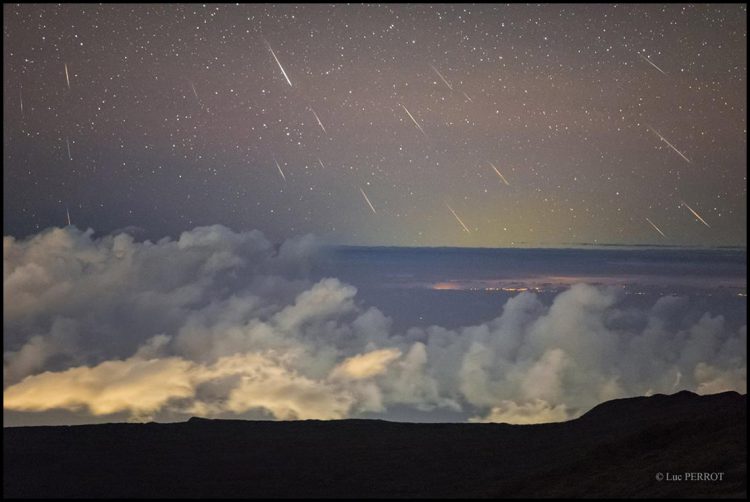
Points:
[135,385]
[141,387]
[223,323]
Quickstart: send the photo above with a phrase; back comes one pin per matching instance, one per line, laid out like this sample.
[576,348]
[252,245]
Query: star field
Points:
[448,125]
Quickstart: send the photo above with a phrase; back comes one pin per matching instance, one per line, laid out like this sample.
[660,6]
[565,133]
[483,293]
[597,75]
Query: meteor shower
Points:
[374,250]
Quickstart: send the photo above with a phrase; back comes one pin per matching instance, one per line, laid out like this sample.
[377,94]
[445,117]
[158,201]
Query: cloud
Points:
[532,412]
[365,365]
[223,323]
[267,383]
[141,387]
[136,385]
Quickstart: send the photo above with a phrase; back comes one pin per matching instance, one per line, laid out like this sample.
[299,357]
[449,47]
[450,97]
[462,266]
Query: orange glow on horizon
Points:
[446,285]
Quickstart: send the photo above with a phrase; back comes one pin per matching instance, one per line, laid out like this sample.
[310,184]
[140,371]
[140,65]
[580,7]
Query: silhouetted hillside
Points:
[614,450]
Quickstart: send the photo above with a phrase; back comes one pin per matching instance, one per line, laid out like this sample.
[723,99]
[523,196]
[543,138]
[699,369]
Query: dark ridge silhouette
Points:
[615,450]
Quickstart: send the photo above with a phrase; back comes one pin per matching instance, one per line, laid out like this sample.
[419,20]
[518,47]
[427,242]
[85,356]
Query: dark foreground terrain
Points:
[615,450]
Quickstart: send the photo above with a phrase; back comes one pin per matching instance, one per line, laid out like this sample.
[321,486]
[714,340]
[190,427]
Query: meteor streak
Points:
[442,77]
[280,171]
[20,96]
[321,164]
[499,174]
[68,213]
[368,201]
[414,120]
[655,227]
[459,220]
[67,142]
[668,143]
[278,63]
[652,64]
[467,97]
[197,98]
[67,77]
[319,122]
[695,214]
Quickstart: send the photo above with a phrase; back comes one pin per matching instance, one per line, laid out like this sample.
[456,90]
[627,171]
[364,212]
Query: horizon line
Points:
[563,245]
[520,245]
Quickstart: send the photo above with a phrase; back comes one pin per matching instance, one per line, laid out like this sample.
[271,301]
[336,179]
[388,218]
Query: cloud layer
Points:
[219,323]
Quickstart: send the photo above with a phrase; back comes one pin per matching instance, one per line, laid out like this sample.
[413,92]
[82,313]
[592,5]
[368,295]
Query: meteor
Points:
[20,96]
[695,214]
[280,171]
[319,122]
[197,98]
[321,164]
[278,63]
[652,64]
[467,97]
[414,120]
[667,142]
[459,220]
[499,173]
[67,77]
[67,142]
[68,213]
[655,227]
[368,201]
[442,77]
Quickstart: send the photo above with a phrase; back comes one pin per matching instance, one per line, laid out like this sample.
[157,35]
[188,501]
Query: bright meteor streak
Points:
[368,201]
[321,164]
[668,143]
[442,77]
[655,227]
[319,122]
[67,142]
[499,173]
[459,220]
[280,171]
[67,211]
[695,214]
[652,64]
[414,120]
[278,63]
[67,77]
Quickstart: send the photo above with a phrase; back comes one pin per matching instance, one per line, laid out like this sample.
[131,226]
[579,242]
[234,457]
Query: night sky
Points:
[410,125]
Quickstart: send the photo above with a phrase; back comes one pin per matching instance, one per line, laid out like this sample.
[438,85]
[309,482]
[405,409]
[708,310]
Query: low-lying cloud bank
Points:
[221,323]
